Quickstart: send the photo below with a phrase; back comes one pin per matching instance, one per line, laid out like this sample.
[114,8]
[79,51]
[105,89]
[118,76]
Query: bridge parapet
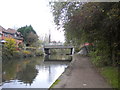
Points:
[57,47]
[48,47]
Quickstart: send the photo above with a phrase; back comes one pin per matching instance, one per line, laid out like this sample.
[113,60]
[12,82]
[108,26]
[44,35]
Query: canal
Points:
[36,72]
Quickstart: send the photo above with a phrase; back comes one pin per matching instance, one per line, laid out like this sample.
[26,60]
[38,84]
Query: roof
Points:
[1,29]
[11,30]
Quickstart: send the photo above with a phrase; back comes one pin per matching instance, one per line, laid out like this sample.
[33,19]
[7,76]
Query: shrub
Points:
[38,52]
[98,59]
[10,45]
[17,54]
[20,45]
[8,48]
[26,52]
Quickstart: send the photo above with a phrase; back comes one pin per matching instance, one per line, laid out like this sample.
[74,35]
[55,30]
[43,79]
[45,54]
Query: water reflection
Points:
[28,74]
[58,58]
[31,73]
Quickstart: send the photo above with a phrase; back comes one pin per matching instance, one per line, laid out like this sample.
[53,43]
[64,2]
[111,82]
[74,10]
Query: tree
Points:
[32,38]
[94,22]
[8,48]
[26,31]
[10,45]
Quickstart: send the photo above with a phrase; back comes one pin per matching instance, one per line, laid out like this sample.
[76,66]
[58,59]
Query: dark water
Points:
[36,72]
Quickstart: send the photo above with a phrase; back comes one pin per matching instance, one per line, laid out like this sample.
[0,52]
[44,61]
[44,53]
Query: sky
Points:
[18,13]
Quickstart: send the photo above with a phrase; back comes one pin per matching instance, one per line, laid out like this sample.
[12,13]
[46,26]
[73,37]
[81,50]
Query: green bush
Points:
[38,52]
[27,53]
[98,59]
[17,54]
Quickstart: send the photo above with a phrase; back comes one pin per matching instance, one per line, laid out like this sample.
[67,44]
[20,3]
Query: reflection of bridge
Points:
[48,47]
[58,58]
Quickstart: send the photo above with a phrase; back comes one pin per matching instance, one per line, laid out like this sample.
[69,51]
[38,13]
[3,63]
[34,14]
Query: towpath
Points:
[81,74]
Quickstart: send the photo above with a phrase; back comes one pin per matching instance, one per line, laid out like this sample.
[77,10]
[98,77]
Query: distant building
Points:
[11,33]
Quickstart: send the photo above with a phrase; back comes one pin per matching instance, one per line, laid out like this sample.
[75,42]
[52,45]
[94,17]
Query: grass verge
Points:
[55,83]
[111,75]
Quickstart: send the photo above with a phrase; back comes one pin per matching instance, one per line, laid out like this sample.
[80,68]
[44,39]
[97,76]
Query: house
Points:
[11,33]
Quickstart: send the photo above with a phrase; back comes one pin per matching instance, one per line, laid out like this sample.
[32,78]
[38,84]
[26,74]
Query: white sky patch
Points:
[84,0]
[18,13]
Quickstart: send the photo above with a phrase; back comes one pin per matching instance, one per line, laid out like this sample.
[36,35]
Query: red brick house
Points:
[11,33]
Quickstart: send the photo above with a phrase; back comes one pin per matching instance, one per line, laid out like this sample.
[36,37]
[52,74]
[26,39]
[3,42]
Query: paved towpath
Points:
[81,74]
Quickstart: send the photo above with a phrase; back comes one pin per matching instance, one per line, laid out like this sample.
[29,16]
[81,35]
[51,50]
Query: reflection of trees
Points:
[60,51]
[28,74]
[8,70]
[11,70]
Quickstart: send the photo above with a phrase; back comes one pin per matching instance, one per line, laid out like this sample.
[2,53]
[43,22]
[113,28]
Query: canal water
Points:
[36,72]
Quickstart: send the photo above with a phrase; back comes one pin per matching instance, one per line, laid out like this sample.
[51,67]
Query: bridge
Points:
[48,47]
[58,47]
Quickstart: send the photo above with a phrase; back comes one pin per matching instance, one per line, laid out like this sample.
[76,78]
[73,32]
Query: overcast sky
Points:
[18,13]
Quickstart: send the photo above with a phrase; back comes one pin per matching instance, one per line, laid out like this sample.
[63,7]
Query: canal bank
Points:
[81,74]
